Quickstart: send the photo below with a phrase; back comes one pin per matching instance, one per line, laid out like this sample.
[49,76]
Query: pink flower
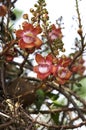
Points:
[44,67]
[63,75]
[55,33]
[28,36]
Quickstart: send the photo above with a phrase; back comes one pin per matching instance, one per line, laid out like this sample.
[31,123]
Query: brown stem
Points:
[3,79]
[63,109]
[5,125]
[22,64]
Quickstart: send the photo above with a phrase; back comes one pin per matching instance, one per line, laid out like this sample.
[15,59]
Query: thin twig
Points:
[5,115]
[5,125]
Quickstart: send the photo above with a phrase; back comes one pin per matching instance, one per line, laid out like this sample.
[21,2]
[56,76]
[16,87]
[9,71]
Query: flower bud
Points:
[33,19]
[35,5]
[25,16]
[31,10]
[79,31]
[44,4]
[63,49]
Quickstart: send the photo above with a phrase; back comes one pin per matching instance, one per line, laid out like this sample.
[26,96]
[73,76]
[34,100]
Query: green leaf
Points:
[18,13]
[58,104]
[80,88]
[40,96]
[78,84]
[53,96]
[55,117]
[82,91]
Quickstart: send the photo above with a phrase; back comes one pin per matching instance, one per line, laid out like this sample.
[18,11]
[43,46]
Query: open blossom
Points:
[28,36]
[55,33]
[63,73]
[44,67]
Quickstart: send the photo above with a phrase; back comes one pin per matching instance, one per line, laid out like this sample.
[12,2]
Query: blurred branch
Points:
[3,79]
[63,109]
[54,126]
[5,125]
[79,78]
[67,95]
[5,115]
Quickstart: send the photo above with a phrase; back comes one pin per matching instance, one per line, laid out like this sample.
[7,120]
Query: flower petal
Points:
[53,26]
[68,75]
[39,59]
[49,58]
[19,33]
[37,42]
[55,33]
[27,26]
[42,76]
[66,62]
[61,81]
[37,30]
[23,45]
[54,70]
[36,69]
[28,37]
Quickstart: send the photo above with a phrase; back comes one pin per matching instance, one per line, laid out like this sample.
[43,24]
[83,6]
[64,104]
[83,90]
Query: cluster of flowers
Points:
[49,65]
